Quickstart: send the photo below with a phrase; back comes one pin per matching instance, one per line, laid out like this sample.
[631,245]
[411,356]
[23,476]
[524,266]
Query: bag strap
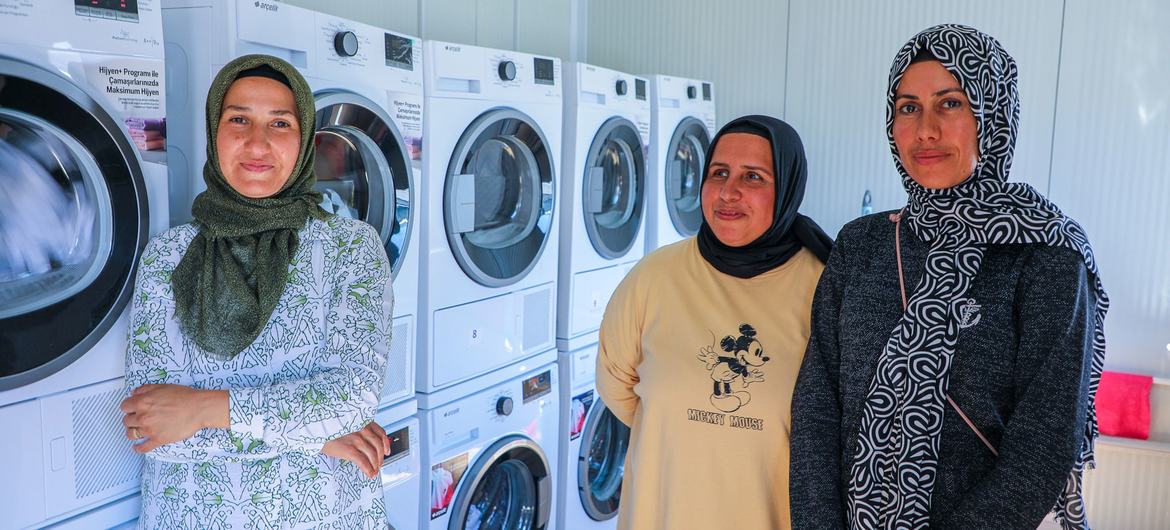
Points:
[897,219]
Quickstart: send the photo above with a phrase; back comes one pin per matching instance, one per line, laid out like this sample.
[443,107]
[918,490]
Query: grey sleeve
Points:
[1042,438]
[816,497]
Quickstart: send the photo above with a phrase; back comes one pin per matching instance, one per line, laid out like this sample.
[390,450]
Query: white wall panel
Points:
[394,15]
[739,46]
[543,27]
[839,59]
[495,24]
[449,20]
[1111,165]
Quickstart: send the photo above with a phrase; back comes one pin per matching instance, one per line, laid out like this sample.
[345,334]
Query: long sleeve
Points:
[151,357]
[620,349]
[815,494]
[1043,436]
[342,393]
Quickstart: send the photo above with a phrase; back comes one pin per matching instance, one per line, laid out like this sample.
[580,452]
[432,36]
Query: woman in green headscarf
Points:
[259,332]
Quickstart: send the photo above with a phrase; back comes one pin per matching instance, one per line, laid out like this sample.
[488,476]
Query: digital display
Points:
[640,89]
[706,91]
[124,10]
[543,71]
[537,385]
[399,445]
[399,52]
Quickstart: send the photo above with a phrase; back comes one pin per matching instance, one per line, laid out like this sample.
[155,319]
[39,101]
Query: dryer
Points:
[593,446]
[82,162]
[682,124]
[401,478]
[490,449]
[368,88]
[492,155]
[603,192]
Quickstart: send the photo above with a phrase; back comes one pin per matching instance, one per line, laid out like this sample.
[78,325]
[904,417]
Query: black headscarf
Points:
[790,230]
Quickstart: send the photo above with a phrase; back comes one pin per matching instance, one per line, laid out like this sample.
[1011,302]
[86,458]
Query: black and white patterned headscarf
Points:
[896,458]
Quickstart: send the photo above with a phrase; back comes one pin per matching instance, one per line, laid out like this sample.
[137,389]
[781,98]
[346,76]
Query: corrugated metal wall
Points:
[739,46]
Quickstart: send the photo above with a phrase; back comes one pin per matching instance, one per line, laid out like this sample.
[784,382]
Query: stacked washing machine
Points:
[367,83]
[681,128]
[603,196]
[83,185]
[487,376]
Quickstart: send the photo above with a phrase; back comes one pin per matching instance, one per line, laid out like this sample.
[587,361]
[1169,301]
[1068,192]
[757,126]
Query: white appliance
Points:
[603,191]
[83,185]
[490,449]
[401,479]
[368,86]
[682,123]
[593,447]
[489,268]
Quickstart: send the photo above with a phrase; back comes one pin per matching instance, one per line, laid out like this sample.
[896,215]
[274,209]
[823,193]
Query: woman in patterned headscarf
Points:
[956,343]
[259,333]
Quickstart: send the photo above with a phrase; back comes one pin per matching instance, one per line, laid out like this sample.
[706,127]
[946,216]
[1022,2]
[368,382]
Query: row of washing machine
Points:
[512,193]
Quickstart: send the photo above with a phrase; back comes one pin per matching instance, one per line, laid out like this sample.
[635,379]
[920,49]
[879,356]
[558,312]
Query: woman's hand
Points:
[365,448]
[164,414]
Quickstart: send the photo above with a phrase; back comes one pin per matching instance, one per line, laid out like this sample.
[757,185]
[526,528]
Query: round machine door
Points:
[74,222]
[612,190]
[604,441]
[508,488]
[498,197]
[685,158]
[363,168]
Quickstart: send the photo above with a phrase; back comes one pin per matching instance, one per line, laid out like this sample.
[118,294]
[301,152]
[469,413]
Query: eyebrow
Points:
[936,94]
[753,168]
[241,108]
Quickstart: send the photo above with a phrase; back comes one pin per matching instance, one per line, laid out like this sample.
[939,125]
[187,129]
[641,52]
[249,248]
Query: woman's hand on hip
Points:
[163,414]
[365,447]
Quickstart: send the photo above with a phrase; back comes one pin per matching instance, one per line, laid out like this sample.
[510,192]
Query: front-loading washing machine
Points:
[83,185]
[603,191]
[593,447]
[682,123]
[401,476]
[491,158]
[368,88]
[490,450]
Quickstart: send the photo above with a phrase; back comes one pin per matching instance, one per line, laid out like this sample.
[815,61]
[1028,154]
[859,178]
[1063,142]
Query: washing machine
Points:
[401,478]
[682,123]
[368,88]
[491,158]
[603,191]
[83,186]
[594,444]
[490,449]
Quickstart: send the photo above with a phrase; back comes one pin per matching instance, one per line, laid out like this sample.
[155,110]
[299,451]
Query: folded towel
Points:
[1123,405]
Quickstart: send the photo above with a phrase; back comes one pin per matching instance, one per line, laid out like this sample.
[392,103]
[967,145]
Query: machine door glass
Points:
[684,175]
[508,488]
[363,168]
[602,460]
[498,197]
[74,221]
[613,188]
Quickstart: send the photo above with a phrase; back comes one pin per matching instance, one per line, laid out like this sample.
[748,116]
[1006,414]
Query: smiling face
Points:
[259,136]
[934,129]
[739,190]
[753,355]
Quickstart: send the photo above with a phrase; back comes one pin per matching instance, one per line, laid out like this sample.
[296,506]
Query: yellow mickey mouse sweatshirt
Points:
[701,366]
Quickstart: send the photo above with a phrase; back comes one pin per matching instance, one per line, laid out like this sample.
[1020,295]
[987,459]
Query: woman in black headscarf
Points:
[701,342]
[259,332]
[956,343]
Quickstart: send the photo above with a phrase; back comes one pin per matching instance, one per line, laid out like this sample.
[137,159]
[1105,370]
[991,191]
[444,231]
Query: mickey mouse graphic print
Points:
[701,366]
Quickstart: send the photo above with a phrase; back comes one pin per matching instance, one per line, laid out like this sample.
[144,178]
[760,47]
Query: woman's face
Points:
[739,190]
[934,128]
[259,136]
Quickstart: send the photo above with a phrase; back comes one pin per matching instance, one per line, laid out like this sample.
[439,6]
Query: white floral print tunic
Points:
[315,373]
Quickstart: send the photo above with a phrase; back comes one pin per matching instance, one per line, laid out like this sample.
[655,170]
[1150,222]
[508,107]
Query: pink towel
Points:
[1123,405]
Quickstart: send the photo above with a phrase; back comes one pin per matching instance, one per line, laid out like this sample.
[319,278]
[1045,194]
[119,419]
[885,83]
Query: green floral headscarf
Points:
[229,281]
